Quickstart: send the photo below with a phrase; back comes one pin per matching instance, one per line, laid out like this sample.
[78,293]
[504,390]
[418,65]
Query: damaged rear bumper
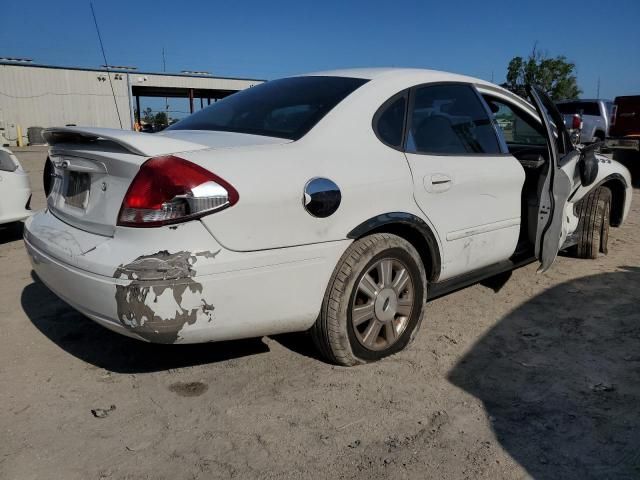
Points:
[199,292]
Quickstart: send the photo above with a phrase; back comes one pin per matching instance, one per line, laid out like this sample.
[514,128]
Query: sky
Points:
[274,38]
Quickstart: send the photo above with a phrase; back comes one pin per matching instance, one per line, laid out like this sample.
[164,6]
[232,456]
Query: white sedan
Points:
[15,193]
[336,202]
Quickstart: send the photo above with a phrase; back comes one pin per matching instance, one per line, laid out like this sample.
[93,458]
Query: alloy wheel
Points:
[382,304]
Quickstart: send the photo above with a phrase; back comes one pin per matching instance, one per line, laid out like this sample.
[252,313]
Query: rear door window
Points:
[450,119]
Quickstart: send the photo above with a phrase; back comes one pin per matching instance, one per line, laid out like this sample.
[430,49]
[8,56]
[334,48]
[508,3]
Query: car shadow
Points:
[559,377]
[11,232]
[88,341]
[300,343]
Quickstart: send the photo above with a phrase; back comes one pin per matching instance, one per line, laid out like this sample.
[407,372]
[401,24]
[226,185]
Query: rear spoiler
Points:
[138,143]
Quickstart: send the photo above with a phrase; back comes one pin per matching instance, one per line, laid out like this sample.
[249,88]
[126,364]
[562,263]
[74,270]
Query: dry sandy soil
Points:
[540,379]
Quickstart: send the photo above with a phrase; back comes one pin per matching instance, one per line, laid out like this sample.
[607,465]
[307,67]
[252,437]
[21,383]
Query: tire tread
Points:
[591,214]
[327,334]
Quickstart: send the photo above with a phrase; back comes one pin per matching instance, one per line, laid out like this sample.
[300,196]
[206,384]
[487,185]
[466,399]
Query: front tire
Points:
[593,226]
[374,301]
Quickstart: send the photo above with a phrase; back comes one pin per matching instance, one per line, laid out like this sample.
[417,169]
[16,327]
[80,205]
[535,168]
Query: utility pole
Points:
[598,89]
[166,100]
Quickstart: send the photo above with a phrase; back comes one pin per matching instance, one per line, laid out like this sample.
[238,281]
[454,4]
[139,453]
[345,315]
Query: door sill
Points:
[436,290]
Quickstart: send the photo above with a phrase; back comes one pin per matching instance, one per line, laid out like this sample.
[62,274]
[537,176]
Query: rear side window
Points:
[449,120]
[389,121]
[285,108]
[583,108]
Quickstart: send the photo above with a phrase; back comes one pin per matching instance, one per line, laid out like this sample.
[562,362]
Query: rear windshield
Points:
[285,108]
[583,108]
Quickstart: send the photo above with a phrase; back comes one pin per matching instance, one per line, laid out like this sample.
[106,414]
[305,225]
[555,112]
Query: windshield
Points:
[285,108]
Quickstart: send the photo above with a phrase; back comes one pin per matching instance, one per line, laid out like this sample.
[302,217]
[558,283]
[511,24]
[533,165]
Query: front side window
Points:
[285,108]
[450,119]
[517,128]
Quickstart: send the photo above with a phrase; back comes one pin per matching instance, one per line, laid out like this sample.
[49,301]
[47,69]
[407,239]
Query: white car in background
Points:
[15,193]
[335,202]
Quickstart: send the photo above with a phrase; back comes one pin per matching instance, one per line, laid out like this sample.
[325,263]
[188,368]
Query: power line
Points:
[104,56]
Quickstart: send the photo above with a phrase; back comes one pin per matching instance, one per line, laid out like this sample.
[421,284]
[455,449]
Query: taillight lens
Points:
[576,122]
[171,190]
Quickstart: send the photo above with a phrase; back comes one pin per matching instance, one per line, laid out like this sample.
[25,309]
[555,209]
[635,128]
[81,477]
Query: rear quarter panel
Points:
[372,178]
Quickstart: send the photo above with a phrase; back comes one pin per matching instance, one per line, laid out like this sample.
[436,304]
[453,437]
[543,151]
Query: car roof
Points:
[416,76]
[399,73]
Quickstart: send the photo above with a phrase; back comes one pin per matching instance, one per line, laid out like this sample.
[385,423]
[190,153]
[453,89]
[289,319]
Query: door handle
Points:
[437,182]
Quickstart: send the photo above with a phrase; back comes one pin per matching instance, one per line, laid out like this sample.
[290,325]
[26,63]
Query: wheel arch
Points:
[618,187]
[410,227]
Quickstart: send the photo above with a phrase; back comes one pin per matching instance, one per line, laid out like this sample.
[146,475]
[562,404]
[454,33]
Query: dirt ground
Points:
[540,379]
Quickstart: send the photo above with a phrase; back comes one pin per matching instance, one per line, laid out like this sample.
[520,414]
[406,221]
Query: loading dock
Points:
[33,95]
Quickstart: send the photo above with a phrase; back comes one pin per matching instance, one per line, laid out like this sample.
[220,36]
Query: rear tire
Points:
[374,301]
[593,225]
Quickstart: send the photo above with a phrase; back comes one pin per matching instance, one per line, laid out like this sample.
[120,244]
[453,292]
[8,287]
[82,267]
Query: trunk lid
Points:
[627,117]
[92,168]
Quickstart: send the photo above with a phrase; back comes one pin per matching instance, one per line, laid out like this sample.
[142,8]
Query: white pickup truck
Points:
[591,117]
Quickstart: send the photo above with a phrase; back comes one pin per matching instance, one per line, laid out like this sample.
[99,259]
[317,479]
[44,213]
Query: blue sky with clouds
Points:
[269,39]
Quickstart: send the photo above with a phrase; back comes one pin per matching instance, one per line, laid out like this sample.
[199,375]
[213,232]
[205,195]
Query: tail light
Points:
[576,122]
[614,114]
[171,190]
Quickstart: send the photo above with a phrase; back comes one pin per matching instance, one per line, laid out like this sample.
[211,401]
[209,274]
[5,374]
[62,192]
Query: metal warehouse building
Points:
[34,95]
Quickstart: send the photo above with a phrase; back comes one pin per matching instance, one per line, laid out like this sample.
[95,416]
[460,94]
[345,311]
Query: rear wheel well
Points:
[599,134]
[618,193]
[427,249]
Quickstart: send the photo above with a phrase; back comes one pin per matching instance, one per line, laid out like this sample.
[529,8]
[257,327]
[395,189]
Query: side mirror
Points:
[588,166]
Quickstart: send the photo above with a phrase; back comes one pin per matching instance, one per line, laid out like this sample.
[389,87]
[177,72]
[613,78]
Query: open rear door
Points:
[560,181]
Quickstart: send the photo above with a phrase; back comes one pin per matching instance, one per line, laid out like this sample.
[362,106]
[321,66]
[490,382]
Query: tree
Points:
[556,76]
[147,115]
[160,119]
